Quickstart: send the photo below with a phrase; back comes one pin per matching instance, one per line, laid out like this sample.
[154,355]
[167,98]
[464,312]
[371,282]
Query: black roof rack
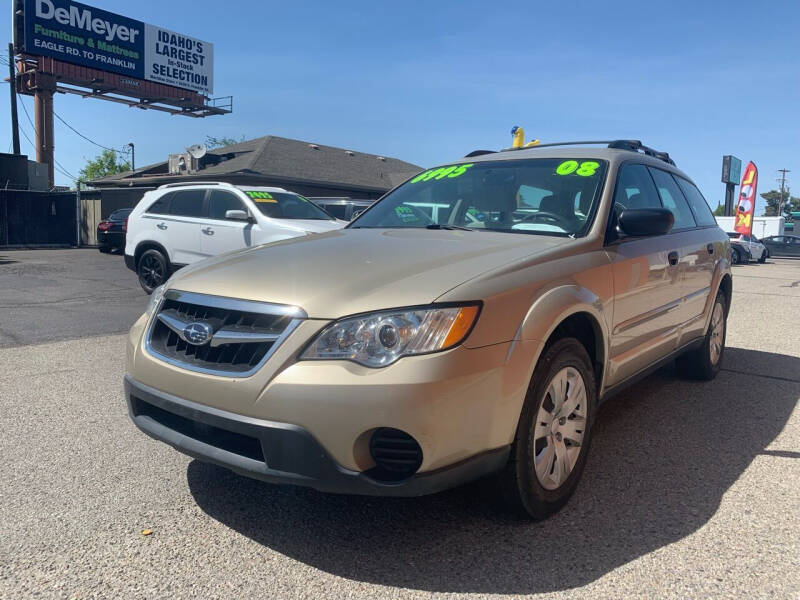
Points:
[631,145]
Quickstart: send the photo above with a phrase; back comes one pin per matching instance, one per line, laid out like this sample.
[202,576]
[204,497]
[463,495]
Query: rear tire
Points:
[105,249]
[763,258]
[704,363]
[553,434]
[152,269]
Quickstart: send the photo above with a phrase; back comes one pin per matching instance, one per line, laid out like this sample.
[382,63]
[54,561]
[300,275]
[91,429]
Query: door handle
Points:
[672,257]
[710,248]
[207,230]
[161,225]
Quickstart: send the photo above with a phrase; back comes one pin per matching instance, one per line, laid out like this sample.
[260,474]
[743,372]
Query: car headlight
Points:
[378,339]
[155,300]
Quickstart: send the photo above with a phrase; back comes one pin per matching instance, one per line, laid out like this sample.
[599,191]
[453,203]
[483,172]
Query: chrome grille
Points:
[223,336]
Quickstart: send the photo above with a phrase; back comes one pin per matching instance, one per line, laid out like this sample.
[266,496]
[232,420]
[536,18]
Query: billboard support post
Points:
[43,118]
[730,188]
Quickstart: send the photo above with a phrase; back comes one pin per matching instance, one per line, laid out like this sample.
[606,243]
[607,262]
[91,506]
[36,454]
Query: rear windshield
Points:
[546,196]
[121,214]
[284,205]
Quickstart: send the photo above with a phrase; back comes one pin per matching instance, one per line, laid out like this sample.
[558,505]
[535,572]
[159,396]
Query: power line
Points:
[84,137]
[57,165]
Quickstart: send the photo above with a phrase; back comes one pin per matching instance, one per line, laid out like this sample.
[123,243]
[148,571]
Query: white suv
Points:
[181,223]
[752,246]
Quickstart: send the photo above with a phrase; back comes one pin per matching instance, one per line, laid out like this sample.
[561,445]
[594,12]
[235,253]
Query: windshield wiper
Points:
[448,227]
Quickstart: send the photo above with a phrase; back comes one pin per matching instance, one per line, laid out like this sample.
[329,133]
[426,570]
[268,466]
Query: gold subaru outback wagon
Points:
[467,324]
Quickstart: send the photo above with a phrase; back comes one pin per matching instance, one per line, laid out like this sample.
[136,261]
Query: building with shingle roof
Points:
[303,167]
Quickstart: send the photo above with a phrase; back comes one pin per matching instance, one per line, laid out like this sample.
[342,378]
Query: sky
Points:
[429,82]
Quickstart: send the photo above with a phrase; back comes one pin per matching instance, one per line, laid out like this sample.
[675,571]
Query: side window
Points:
[187,203]
[160,206]
[698,204]
[635,189]
[778,239]
[220,202]
[337,210]
[672,198]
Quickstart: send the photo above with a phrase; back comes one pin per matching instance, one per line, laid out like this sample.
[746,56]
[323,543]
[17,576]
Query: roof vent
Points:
[381,158]
[349,153]
[314,146]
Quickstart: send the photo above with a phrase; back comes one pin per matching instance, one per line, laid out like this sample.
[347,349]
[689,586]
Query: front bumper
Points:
[279,452]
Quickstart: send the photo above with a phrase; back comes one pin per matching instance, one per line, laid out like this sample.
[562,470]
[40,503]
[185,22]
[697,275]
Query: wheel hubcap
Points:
[151,272]
[717,333]
[560,427]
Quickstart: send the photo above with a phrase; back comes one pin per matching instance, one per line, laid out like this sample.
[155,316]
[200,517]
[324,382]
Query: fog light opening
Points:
[397,455]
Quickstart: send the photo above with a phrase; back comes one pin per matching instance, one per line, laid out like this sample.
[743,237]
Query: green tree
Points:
[218,142]
[772,198]
[102,166]
[720,210]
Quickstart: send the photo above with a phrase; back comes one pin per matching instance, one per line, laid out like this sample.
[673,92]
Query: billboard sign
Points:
[91,37]
[731,169]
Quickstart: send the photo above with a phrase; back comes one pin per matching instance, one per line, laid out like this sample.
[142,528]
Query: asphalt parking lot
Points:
[691,489]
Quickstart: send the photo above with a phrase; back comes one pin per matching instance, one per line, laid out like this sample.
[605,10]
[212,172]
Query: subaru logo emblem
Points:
[197,333]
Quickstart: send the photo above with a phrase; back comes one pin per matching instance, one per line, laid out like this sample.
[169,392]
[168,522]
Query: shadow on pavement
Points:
[664,454]
[4,260]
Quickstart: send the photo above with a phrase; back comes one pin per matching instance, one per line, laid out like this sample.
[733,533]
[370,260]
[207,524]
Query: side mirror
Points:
[638,222]
[237,215]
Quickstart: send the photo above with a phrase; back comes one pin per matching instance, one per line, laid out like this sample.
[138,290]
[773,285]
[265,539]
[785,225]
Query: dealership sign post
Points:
[731,171]
[70,47]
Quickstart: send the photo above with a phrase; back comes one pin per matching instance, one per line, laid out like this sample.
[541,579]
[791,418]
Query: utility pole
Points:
[783,173]
[133,157]
[12,83]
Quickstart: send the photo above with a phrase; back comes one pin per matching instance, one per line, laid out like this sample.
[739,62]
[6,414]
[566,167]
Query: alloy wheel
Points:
[717,333]
[559,428]
[151,271]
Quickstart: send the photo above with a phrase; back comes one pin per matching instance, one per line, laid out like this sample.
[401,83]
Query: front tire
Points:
[152,269]
[704,363]
[553,434]
[736,257]
[763,258]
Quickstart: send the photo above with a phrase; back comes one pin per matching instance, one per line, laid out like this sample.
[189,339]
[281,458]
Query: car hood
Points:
[349,271]
[310,225]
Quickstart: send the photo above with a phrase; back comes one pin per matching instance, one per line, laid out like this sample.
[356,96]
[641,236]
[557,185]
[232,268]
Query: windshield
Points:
[546,196]
[284,205]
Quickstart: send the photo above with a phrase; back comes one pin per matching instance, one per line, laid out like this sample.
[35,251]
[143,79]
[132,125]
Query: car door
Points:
[791,247]
[774,244]
[181,226]
[647,283]
[221,234]
[698,252]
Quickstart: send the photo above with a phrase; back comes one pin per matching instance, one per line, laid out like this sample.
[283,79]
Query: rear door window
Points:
[697,203]
[187,203]
[160,206]
[673,199]
[220,202]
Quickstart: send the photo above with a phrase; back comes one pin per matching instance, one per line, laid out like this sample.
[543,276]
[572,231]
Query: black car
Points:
[342,208]
[111,231]
[782,245]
